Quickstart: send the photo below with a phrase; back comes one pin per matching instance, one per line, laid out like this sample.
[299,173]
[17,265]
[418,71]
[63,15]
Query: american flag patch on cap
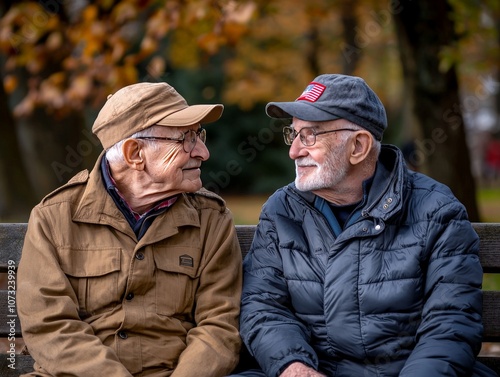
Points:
[313,91]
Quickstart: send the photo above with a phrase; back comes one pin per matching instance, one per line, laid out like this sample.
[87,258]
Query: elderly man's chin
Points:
[311,183]
[192,184]
[302,185]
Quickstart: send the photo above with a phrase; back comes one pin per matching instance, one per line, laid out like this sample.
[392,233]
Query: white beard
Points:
[326,175]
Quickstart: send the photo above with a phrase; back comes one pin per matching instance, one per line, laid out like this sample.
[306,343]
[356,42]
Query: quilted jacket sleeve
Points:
[449,336]
[268,327]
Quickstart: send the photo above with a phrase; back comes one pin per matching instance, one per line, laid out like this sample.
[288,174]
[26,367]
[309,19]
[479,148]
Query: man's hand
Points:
[300,370]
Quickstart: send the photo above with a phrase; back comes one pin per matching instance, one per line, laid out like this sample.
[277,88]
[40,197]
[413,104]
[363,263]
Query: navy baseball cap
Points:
[335,96]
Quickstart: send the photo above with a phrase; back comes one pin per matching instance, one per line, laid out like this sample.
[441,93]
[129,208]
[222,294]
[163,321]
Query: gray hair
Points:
[377,144]
[114,154]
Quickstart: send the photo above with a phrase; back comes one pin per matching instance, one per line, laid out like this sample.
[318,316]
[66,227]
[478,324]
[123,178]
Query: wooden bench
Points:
[11,241]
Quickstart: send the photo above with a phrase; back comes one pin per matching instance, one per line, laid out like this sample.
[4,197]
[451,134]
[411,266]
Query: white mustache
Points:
[305,161]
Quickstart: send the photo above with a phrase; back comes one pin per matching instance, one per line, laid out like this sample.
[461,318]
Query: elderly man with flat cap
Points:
[133,269]
[360,267]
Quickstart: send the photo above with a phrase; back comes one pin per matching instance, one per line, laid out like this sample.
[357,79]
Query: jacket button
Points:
[130,296]
[139,256]
[122,334]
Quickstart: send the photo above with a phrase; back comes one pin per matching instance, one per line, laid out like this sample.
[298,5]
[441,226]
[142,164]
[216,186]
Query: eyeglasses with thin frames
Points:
[188,138]
[307,134]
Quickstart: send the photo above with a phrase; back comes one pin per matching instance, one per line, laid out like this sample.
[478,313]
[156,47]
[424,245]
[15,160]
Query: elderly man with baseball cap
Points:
[134,269]
[360,267]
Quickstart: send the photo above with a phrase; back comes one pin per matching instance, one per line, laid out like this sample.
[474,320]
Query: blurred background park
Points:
[434,63]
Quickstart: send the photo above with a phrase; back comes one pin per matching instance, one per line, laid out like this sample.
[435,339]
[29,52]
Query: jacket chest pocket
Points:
[93,273]
[176,275]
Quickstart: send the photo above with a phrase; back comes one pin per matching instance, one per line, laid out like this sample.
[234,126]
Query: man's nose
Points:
[200,151]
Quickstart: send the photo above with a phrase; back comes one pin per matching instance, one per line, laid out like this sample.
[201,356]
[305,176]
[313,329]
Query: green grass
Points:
[491,282]
[489,204]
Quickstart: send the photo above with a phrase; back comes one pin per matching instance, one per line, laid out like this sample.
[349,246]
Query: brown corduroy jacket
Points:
[94,301]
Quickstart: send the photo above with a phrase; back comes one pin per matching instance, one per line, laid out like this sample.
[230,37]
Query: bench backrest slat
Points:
[491,319]
[489,235]
[12,236]
[11,243]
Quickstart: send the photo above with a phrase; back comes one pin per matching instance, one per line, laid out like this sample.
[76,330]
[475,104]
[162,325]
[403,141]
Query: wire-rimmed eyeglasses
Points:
[307,134]
[188,138]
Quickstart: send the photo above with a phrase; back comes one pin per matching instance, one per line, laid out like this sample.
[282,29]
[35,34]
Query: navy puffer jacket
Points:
[397,292]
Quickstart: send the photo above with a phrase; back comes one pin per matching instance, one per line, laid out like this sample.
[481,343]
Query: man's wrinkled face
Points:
[169,166]
[322,165]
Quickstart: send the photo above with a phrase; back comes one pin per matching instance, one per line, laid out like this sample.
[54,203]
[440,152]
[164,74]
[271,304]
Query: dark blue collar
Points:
[340,217]
[139,223]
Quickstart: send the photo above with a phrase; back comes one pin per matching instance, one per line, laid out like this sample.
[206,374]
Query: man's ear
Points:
[361,147]
[133,154]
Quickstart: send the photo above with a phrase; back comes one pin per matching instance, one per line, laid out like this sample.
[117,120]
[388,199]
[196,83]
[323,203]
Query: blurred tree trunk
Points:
[55,148]
[424,28]
[313,45]
[351,49]
[16,192]
[350,45]
[39,150]
[37,154]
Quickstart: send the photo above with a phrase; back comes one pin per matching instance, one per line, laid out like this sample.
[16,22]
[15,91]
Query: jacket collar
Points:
[386,194]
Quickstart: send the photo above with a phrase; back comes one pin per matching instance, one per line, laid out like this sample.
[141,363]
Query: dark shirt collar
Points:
[138,222]
[339,217]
